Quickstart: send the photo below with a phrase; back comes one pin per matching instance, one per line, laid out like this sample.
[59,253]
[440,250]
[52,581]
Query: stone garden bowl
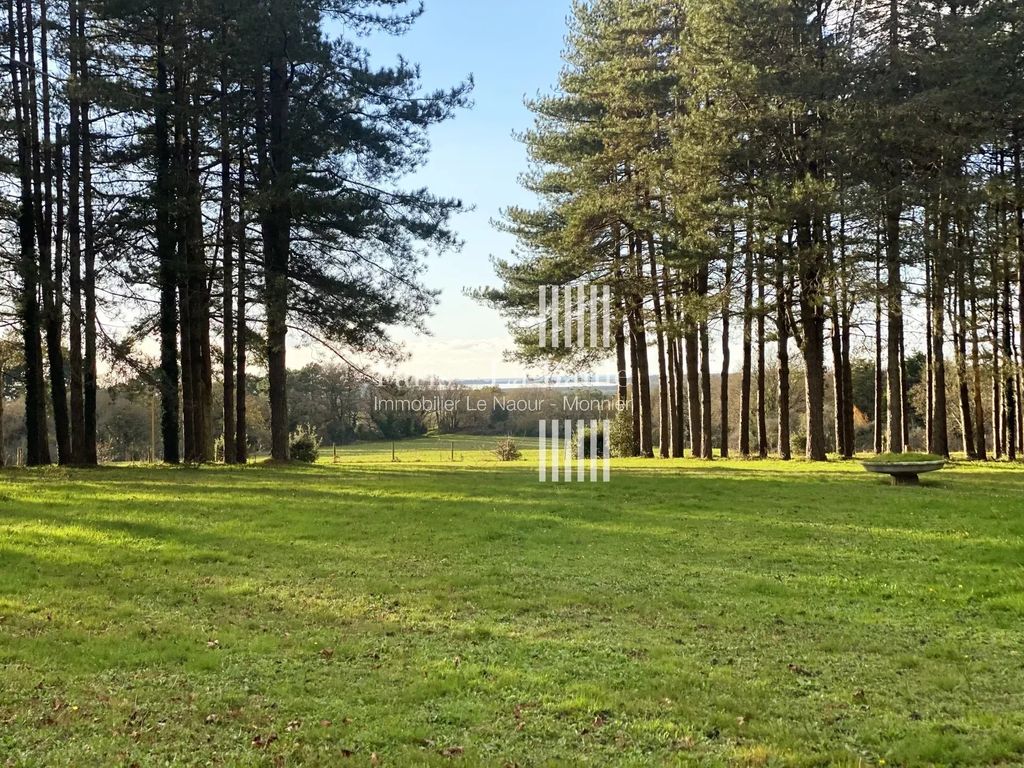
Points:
[904,469]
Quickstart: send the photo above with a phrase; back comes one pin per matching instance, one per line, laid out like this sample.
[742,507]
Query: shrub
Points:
[621,434]
[798,440]
[304,445]
[582,440]
[507,450]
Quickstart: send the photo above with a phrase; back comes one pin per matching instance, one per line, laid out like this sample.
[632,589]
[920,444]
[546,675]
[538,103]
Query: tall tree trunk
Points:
[200,294]
[675,385]
[879,414]
[812,325]
[680,417]
[748,321]
[665,426]
[838,384]
[3,437]
[277,234]
[836,343]
[227,247]
[241,437]
[167,260]
[849,447]
[894,305]
[997,388]
[1019,211]
[960,345]
[929,345]
[726,352]
[622,372]
[37,442]
[940,427]
[906,389]
[692,342]
[185,201]
[979,405]
[43,174]
[74,215]
[90,374]
[634,377]
[782,325]
[673,405]
[707,448]
[1010,388]
[707,444]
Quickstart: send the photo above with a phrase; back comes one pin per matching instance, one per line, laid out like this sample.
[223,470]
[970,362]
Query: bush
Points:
[582,440]
[621,434]
[507,450]
[304,445]
[798,440]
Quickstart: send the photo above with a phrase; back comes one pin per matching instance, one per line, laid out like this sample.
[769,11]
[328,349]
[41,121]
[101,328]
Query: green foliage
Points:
[508,450]
[621,434]
[304,445]
[582,441]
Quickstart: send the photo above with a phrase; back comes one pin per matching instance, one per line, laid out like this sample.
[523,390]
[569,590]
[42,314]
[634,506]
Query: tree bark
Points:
[979,405]
[812,325]
[782,326]
[1010,388]
[74,217]
[692,342]
[241,437]
[90,374]
[726,352]
[748,320]
[167,262]
[894,304]
[227,246]
[879,414]
[665,425]
[960,345]
[940,428]
[276,227]
[37,442]
[43,174]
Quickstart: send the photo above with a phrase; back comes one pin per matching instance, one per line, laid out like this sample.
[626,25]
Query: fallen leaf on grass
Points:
[262,742]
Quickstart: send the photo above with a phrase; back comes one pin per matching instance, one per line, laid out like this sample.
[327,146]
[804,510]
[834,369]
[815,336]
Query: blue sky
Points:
[513,50]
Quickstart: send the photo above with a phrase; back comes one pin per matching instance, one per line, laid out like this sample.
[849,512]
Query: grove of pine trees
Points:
[819,181]
[184,183]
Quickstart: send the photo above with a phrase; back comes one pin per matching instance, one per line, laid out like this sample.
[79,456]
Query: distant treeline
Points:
[343,407]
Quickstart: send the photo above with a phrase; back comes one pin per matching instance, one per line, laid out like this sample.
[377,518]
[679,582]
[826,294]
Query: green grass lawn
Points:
[426,611]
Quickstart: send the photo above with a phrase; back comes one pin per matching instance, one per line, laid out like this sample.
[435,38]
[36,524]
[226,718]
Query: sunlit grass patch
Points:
[432,611]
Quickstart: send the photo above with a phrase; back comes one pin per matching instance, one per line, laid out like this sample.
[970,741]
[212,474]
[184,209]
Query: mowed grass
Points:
[439,612]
